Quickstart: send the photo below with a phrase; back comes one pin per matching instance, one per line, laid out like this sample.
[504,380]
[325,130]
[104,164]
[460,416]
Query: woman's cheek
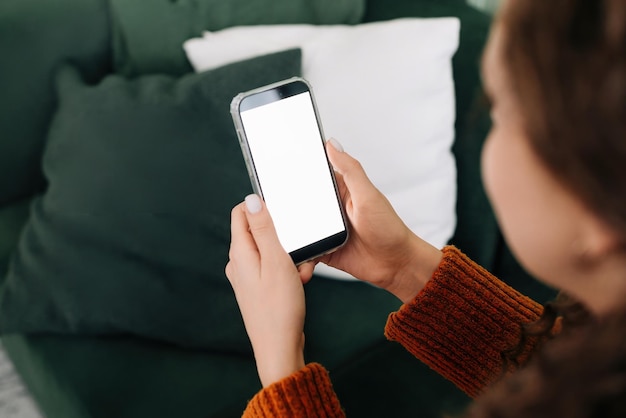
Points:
[510,195]
[534,221]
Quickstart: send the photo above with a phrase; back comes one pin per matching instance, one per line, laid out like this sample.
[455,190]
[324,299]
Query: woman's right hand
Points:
[381,249]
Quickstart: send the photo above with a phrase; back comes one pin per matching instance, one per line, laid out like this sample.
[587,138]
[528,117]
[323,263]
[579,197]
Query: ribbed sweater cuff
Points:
[461,321]
[306,393]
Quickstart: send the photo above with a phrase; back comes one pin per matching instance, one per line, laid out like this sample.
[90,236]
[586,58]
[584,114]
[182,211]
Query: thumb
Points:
[261,226]
[354,177]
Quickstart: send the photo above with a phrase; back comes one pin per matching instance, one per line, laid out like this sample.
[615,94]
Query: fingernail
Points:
[253,203]
[336,145]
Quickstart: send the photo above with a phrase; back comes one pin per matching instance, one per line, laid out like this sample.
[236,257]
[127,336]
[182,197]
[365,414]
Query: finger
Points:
[306,271]
[241,239]
[351,171]
[341,185]
[262,226]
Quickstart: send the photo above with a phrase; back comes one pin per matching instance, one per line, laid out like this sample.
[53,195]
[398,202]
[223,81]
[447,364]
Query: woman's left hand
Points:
[269,291]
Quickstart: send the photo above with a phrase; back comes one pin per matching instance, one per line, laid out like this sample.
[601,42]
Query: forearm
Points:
[461,322]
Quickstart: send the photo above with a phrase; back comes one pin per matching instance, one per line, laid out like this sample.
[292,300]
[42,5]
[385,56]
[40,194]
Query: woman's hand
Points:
[269,291]
[381,249]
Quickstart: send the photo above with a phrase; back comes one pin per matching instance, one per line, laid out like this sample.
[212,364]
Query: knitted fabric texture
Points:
[462,321]
[306,393]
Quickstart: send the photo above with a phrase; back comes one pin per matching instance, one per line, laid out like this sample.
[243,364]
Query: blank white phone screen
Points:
[288,156]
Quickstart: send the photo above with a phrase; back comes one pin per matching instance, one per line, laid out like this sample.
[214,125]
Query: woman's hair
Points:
[569,311]
[565,62]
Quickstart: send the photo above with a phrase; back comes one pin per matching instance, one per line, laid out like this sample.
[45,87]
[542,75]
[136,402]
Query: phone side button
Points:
[249,171]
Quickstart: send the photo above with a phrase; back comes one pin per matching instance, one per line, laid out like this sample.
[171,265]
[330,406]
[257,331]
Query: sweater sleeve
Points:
[306,393]
[461,322]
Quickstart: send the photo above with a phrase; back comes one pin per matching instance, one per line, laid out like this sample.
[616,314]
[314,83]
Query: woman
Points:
[554,167]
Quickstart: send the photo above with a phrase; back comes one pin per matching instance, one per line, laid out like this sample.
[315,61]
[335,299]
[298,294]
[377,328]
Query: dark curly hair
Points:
[581,374]
[569,312]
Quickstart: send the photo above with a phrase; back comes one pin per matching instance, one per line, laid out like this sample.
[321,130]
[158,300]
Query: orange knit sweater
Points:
[458,325]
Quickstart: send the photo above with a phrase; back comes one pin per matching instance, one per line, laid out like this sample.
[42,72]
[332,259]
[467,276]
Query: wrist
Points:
[271,373]
[278,364]
[421,263]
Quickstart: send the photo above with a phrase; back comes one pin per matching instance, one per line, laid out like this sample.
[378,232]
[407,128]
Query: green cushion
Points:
[149,34]
[477,232]
[35,37]
[132,234]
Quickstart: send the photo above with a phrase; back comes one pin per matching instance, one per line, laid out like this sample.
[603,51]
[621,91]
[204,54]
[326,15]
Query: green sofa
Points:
[78,376]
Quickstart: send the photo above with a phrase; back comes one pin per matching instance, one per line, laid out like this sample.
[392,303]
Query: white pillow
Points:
[385,90]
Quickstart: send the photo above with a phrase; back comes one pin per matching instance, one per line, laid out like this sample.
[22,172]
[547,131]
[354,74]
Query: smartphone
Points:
[283,146]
